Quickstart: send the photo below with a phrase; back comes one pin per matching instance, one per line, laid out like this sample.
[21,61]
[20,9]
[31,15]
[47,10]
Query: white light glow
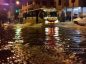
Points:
[4,4]
[56,21]
[46,22]
[17,2]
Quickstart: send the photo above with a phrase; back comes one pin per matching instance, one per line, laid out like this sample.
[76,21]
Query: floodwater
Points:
[49,45]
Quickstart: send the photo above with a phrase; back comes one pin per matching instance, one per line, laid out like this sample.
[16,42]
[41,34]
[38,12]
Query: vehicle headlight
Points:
[56,21]
[46,22]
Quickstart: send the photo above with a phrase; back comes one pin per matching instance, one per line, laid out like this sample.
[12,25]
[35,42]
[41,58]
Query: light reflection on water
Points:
[63,35]
[18,37]
[52,36]
[55,40]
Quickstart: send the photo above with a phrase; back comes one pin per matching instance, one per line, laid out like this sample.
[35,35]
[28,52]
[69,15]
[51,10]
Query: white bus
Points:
[50,15]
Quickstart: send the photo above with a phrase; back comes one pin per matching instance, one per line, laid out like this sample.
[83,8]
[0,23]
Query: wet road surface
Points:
[49,45]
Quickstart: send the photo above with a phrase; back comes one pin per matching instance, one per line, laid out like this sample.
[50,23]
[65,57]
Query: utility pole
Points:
[66,5]
[73,1]
[82,5]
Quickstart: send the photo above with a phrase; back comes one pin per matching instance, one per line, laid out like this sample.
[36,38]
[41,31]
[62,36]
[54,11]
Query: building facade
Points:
[60,4]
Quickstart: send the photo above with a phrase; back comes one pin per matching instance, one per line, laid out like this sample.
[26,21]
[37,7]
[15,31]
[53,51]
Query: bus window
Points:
[53,14]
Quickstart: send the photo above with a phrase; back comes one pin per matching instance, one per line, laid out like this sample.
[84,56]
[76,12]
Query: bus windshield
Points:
[53,14]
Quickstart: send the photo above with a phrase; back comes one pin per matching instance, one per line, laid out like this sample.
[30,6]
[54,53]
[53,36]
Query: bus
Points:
[51,16]
[48,14]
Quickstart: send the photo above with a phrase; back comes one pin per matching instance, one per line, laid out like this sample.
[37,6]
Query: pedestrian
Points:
[62,16]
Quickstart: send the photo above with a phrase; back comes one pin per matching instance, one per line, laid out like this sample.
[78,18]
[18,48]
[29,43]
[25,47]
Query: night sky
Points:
[4,4]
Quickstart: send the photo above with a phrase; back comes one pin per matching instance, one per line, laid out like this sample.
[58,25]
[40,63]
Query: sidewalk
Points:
[66,24]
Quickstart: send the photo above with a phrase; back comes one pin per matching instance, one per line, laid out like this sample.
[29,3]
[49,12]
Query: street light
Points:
[17,6]
[17,2]
[17,10]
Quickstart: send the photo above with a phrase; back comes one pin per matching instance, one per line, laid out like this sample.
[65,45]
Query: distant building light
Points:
[78,8]
[5,4]
[75,10]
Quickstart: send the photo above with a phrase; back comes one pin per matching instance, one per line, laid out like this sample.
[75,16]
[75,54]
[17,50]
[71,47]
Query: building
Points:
[59,4]
[78,6]
[35,4]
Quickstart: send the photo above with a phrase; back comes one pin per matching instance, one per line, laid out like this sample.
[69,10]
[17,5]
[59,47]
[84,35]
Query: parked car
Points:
[80,21]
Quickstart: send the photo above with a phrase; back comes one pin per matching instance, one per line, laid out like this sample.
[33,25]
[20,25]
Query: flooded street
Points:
[49,45]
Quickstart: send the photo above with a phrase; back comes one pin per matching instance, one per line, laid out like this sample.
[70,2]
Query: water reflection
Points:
[52,36]
[73,36]
[33,36]
[50,45]
[6,34]
[18,37]
[69,40]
